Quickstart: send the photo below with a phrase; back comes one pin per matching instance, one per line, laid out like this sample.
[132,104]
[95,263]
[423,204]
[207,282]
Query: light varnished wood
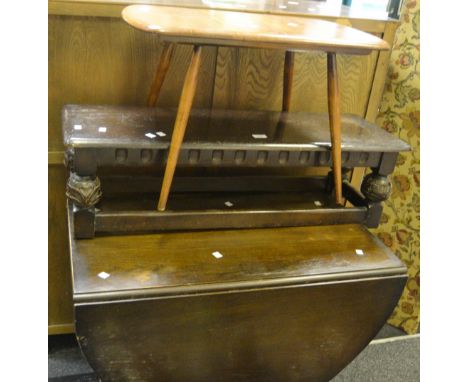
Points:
[61,328]
[217,27]
[161,71]
[183,112]
[60,297]
[334,111]
[251,79]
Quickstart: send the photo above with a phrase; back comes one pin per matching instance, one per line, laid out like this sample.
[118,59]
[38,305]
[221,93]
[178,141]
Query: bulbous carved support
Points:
[376,188]
[84,191]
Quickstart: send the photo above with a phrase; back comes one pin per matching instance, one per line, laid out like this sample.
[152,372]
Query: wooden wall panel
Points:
[252,79]
[99,60]
[60,295]
[248,79]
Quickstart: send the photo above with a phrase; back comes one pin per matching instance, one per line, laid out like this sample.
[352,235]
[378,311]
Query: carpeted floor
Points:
[391,357]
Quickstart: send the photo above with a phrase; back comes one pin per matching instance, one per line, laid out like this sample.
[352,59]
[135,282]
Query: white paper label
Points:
[161,133]
[150,135]
[217,254]
[259,136]
[359,252]
[317,203]
[102,129]
[103,275]
[78,127]
[228,204]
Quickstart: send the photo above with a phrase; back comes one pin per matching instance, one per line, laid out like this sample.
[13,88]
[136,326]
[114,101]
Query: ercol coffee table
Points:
[201,27]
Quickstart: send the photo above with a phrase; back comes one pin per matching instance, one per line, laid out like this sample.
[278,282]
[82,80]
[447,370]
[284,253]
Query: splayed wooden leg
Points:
[183,112]
[334,113]
[161,71]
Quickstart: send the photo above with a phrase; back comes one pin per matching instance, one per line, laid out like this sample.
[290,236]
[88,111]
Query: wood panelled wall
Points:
[101,60]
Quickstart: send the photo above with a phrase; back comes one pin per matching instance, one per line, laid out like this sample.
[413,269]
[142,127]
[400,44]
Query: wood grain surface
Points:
[165,260]
[103,61]
[161,71]
[127,125]
[226,28]
[334,113]
[251,79]
[60,293]
[299,333]
[95,58]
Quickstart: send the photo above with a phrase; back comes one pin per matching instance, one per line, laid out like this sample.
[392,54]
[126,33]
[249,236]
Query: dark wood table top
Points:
[186,262]
[256,30]
[128,127]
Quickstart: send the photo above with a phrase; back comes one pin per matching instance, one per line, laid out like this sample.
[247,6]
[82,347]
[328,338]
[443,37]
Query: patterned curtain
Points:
[399,115]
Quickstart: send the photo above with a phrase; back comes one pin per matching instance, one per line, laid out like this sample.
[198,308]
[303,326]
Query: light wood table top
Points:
[226,28]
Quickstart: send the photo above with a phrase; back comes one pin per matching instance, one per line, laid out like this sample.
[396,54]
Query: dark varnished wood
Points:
[127,126]
[281,304]
[117,185]
[297,333]
[288,75]
[182,259]
[199,203]
[131,221]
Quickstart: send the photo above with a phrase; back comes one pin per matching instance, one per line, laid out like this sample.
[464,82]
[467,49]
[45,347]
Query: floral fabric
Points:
[399,115]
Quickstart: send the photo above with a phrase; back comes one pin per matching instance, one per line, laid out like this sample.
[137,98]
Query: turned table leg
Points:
[161,71]
[185,105]
[334,113]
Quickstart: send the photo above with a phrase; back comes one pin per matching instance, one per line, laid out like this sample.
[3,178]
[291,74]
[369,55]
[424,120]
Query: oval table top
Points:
[256,30]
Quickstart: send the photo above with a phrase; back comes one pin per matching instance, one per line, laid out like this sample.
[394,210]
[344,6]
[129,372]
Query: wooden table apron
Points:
[89,62]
